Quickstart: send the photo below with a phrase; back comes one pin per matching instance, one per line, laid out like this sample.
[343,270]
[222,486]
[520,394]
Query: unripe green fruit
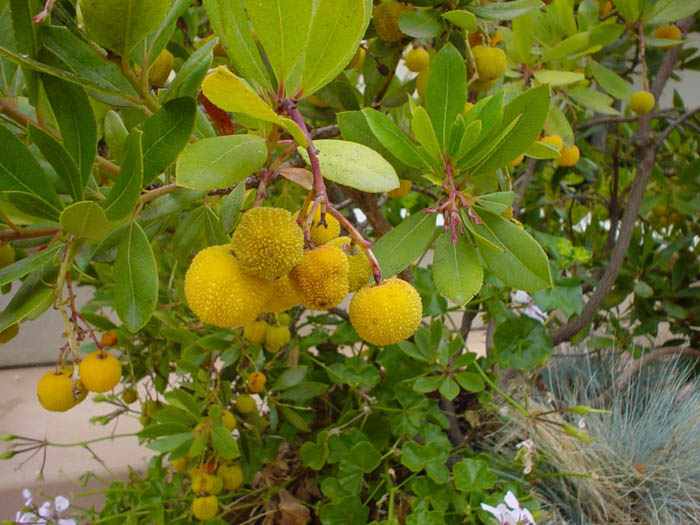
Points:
[151,407]
[129,396]
[245,404]
[490,62]
[161,68]
[7,255]
[276,337]
[417,59]
[228,419]
[642,102]
[255,331]
[9,333]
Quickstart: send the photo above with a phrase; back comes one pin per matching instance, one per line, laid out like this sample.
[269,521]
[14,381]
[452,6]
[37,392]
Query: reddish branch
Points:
[450,206]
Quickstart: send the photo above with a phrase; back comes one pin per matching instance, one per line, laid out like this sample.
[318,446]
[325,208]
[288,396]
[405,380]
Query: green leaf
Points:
[473,474]
[115,135]
[364,456]
[642,289]
[354,128]
[524,264]
[531,107]
[463,19]
[231,206]
[224,443]
[304,391]
[446,92]
[336,30]
[423,23]
[566,295]
[346,511]
[136,276]
[393,138]
[485,152]
[610,81]
[470,381]
[401,246]
[213,231]
[290,377]
[468,140]
[165,134]
[592,99]
[170,443]
[60,160]
[505,10]
[423,130]
[219,162]
[26,40]
[231,24]
[73,111]
[427,384]
[354,165]
[497,202]
[295,419]
[666,11]
[85,219]
[314,455]
[189,77]
[124,195]
[568,46]
[119,26]
[558,124]
[31,300]
[558,78]
[542,150]
[164,429]
[27,265]
[523,35]
[456,269]
[449,389]
[521,342]
[282,26]
[23,180]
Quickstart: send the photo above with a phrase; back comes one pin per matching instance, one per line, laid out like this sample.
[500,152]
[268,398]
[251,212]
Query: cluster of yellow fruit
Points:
[59,390]
[266,269]
[568,155]
[272,336]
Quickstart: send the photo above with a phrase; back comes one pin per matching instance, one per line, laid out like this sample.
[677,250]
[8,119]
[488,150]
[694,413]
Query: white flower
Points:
[64,521]
[29,517]
[526,449]
[510,516]
[45,510]
[27,495]
[61,503]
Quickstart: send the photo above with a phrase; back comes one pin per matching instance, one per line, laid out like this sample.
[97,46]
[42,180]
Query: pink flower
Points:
[512,514]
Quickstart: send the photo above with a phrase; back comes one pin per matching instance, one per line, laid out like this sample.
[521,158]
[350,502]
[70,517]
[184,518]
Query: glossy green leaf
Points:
[401,246]
[23,181]
[354,165]
[566,295]
[188,78]
[523,35]
[136,276]
[522,343]
[558,124]
[292,376]
[165,134]
[446,92]
[76,121]
[354,128]
[542,150]
[449,388]
[85,219]
[231,206]
[336,30]
[31,300]
[568,46]
[27,265]
[523,265]
[468,140]
[170,443]
[470,381]
[558,78]
[62,163]
[282,26]
[461,18]
[124,195]
[224,443]
[219,162]
[294,418]
[666,11]
[424,23]
[26,40]
[610,81]
[393,138]
[213,231]
[505,10]
[592,99]
[456,270]
[423,130]
[115,134]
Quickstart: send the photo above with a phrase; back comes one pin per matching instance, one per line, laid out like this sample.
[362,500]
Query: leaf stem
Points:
[505,396]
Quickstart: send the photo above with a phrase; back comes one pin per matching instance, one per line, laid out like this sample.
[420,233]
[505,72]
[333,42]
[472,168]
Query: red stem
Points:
[360,241]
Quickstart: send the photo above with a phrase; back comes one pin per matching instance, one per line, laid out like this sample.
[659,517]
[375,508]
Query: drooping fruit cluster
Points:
[322,233]
[322,277]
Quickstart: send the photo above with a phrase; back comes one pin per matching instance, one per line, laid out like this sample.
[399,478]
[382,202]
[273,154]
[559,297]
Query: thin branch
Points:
[12,235]
[674,125]
[523,183]
[616,120]
[636,365]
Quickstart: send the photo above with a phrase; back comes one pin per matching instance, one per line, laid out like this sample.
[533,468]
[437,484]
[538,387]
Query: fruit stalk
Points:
[60,304]
[358,239]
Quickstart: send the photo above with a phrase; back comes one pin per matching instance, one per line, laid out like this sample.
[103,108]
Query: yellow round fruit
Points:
[255,331]
[358,59]
[56,391]
[490,62]
[554,140]
[417,59]
[517,161]
[256,382]
[129,396]
[228,419]
[232,476]
[642,102]
[100,371]
[205,508]
[109,339]
[245,404]
[482,86]
[321,277]
[208,483]
[359,267]
[569,156]
[7,255]
[422,83]
[467,108]
[276,337]
[404,189]
[321,234]
[9,333]
[220,293]
[668,32]
[179,464]
[386,313]
[161,68]
[284,318]
[284,296]
[386,20]
[268,242]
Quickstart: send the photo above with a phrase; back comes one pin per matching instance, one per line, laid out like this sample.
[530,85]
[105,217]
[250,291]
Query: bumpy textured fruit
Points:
[284,296]
[9,333]
[276,337]
[358,59]
[386,20]
[404,188]
[232,476]
[119,25]
[482,86]
[100,371]
[386,313]
[359,267]
[207,467]
[179,464]
[417,59]
[256,382]
[7,255]
[669,32]
[268,242]
[205,508]
[322,277]
[208,483]
[161,68]
[151,408]
[228,419]
[220,293]
[422,83]
[255,331]
[56,391]
[321,234]
[554,140]
[109,339]
[245,404]
[490,62]
[517,161]
[129,396]
[569,156]
[642,102]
